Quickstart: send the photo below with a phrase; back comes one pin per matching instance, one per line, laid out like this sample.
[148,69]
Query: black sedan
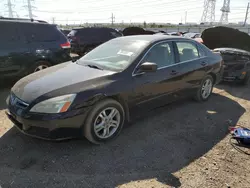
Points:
[236,64]
[97,94]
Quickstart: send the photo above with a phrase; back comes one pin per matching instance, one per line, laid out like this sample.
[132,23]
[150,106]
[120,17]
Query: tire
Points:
[90,130]
[199,93]
[41,64]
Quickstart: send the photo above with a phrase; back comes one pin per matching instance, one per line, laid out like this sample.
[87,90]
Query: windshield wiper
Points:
[94,66]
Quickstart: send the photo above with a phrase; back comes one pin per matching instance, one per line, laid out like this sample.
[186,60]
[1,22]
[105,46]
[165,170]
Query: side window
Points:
[40,32]
[8,33]
[187,51]
[115,34]
[162,54]
[202,53]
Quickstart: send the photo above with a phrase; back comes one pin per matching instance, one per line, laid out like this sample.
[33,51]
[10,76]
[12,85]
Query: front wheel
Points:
[104,122]
[205,90]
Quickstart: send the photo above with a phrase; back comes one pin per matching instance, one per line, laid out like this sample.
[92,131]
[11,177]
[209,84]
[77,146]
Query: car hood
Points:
[54,78]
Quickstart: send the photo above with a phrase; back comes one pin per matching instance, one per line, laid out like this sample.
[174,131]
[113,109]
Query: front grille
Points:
[15,101]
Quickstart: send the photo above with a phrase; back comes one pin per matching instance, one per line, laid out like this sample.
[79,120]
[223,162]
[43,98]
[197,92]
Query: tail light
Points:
[66,45]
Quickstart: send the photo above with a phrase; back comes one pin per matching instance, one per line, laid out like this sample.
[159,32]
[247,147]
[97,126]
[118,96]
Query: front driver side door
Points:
[155,89]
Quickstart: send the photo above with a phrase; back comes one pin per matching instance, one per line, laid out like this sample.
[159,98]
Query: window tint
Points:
[40,32]
[72,33]
[8,32]
[95,35]
[187,51]
[161,54]
[115,34]
[202,53]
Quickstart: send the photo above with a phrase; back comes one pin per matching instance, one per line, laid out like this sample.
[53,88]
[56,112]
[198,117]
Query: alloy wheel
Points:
[107,123]
[40,67]
[206,88]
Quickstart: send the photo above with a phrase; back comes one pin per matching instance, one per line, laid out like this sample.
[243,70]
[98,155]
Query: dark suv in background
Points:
[28,46]
[84,40]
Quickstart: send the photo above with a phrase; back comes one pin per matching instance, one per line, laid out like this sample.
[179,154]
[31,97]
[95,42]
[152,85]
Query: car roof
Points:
[150,38]
[85,28]
[23,20]
[233,50]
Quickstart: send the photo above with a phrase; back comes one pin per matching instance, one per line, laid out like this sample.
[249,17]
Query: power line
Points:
[117,7]
[165,13]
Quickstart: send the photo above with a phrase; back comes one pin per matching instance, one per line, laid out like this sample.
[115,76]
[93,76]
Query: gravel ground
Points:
[185,144]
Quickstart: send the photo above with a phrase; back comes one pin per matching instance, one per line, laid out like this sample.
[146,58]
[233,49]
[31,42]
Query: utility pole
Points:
[246,14]
[30,7]
[53,20]
[208,14]
[225,10]
[112,19]
[185,17]
[9,4]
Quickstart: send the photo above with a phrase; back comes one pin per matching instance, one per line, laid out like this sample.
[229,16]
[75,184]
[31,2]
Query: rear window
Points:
[90,33]
[40,32]
[115,34]
[72,33]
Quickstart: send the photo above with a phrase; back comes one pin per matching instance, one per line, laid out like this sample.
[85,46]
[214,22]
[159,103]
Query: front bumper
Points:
[234,76]
[49,129]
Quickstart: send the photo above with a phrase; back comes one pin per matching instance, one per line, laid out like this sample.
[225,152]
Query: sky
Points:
[94,11]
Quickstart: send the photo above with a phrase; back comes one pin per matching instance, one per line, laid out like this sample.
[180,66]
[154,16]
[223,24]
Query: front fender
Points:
[88,101]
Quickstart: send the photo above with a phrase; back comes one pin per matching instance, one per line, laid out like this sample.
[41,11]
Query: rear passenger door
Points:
[10,49]
[192,65]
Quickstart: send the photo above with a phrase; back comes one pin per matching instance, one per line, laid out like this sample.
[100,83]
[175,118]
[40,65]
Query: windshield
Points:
[114,55]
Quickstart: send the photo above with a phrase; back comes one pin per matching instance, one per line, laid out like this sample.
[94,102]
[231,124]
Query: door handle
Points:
[173,72]
[203,63]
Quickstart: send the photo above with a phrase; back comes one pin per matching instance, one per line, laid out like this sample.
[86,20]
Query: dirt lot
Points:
[185,144]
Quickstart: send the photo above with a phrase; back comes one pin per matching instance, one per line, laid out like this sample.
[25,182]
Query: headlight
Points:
[54,105]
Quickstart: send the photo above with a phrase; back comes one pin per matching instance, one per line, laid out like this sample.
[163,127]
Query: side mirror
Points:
[148,67]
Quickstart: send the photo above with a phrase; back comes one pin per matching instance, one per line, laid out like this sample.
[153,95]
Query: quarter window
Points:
[187,51]
[162,54]
[8,33]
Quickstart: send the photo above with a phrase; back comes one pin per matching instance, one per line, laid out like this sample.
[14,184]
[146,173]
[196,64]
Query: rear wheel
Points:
[104,122]
[40,65]
[205,90]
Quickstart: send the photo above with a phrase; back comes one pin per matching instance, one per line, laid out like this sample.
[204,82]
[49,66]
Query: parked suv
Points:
[84,40]
[236,64]
[28,46]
